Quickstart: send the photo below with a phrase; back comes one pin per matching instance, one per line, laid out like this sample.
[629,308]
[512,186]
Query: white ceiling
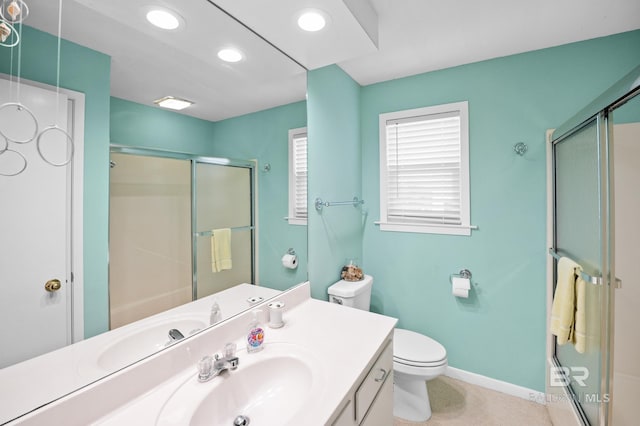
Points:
[416,36]
[411,37]
[148,63]
[343,38]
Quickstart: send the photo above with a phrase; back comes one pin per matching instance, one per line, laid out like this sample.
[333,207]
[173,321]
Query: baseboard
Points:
[496,385]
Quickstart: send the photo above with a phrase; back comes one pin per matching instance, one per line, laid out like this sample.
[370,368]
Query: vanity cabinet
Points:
[370,401]
[381,411]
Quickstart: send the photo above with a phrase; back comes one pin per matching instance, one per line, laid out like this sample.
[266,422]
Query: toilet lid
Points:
[416,349]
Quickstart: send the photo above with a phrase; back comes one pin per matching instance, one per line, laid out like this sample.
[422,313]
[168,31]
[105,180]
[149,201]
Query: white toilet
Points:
[416,358]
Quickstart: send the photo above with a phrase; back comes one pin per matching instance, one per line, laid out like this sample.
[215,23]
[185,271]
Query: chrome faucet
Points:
[175,335]
[212,366]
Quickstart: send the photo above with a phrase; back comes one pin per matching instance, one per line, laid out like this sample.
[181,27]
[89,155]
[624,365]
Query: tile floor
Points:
[456,403]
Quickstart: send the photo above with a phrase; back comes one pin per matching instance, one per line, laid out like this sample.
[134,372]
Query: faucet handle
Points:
[205,368]
[233,363]
[230,350]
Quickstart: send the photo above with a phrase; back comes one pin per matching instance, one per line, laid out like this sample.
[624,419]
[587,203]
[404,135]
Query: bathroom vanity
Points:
[328,365]
[33,383]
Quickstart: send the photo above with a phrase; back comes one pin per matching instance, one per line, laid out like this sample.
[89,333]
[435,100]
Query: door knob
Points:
[53,285]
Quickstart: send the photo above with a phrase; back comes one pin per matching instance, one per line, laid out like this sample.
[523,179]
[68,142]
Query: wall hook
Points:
[520,148]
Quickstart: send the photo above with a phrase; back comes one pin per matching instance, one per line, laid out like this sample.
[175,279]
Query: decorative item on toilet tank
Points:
[351,271]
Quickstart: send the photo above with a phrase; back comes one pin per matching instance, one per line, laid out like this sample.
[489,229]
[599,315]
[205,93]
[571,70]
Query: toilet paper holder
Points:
[464,273]
[291,252]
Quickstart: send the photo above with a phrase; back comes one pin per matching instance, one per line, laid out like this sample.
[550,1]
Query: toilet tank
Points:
[356,294]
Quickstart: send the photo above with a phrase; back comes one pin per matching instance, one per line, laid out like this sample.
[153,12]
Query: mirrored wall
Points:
[117,65]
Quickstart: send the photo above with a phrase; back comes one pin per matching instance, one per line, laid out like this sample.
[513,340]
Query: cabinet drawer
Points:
[370,386]
[381,411]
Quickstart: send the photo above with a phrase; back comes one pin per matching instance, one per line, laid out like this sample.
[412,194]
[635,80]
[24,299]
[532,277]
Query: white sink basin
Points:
[145,340]
[270,387]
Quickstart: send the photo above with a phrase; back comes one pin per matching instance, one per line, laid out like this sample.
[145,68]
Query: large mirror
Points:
[112,65]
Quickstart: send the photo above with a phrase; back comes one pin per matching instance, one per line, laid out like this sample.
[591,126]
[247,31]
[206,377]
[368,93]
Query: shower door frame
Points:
[252,166]
[606,232]
[600,110]
[194,160]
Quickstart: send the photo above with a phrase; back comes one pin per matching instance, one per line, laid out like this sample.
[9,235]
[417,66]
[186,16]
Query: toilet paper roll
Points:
[460,292]
[460,287]
[290,261]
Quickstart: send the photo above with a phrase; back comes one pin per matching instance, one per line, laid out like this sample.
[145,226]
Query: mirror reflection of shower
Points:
[163,211]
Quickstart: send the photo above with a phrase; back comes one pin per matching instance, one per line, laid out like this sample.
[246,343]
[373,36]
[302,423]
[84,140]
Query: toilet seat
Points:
[417,350]
[420,364]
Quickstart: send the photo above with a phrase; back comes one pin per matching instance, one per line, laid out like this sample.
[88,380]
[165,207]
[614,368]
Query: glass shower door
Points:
[582,232]
[223,199]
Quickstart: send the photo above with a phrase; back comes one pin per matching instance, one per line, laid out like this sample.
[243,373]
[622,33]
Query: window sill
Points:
[464,230]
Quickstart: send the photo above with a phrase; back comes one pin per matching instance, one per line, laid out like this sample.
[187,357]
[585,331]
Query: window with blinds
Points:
[298,176]
[424,170]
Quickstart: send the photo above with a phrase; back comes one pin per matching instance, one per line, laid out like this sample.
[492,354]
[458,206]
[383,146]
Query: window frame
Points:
[291,217]
[462,108]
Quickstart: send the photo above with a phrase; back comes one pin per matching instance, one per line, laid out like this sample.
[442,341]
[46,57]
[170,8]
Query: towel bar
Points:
[237,228]
[595,280]
[319,203]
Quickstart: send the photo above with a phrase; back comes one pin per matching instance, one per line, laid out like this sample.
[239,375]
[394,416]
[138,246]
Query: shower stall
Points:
[594,164]
[163,207]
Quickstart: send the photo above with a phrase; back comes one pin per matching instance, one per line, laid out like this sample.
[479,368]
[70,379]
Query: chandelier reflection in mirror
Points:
[12,15]
[14,11]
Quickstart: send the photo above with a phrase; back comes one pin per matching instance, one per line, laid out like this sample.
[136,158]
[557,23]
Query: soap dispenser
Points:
[255,336]
[216,313]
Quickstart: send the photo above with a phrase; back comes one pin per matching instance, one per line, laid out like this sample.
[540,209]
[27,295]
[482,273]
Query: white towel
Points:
[220,249]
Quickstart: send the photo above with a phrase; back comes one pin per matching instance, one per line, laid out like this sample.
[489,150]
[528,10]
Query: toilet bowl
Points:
[416,357]
[416,360]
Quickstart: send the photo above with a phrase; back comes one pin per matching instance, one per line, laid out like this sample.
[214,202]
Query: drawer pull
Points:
[382,376]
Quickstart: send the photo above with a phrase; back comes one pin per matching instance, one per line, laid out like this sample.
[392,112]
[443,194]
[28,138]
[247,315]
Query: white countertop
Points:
[344,341]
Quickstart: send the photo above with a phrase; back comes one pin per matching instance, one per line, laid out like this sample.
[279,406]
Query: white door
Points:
[34,227]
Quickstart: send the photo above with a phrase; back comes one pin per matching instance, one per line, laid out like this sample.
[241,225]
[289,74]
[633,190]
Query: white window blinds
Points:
[298,176]
[424,178]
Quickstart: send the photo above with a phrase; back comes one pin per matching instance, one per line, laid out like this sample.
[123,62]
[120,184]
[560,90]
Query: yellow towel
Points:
[220,249]
[580,324]
[564,301]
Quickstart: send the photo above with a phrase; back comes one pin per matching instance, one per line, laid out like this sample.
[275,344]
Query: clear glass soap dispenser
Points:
[255,335]
[216,313]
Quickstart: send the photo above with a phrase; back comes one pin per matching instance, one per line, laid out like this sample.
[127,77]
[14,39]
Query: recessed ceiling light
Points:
[163,18]
[312,20]
[230,55]
[173,103]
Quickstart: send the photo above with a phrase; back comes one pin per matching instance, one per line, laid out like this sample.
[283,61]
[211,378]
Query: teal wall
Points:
[87,71]
[145,126]
[264,136]
[500,330]
[335,174]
